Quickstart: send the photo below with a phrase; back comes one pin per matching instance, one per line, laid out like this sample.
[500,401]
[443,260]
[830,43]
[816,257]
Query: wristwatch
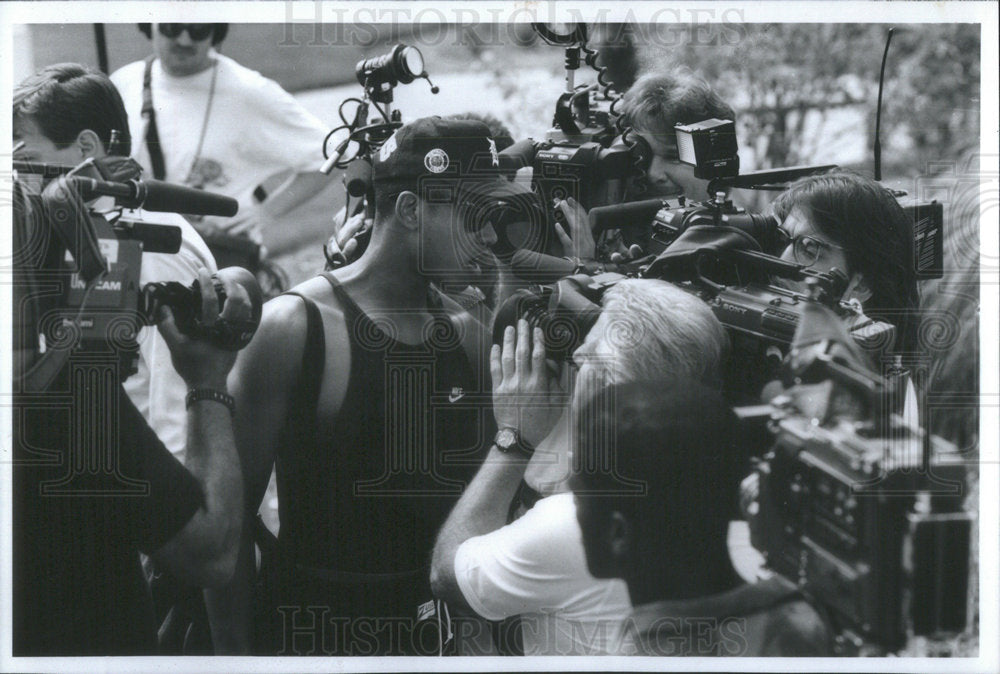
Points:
[508,440]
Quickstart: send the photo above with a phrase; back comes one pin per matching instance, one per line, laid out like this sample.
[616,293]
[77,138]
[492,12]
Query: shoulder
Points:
[546,535]
[285,318]
[472,330]
[128,74]
[245,79]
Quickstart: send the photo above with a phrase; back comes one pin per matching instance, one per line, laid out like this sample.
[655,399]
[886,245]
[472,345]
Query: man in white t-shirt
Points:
[220,126]
[66,114]
[536,566]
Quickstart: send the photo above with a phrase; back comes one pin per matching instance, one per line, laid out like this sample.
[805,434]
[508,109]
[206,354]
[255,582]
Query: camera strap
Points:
[149,115]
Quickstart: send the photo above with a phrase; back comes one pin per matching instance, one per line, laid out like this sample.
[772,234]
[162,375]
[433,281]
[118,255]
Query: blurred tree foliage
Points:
[778,72]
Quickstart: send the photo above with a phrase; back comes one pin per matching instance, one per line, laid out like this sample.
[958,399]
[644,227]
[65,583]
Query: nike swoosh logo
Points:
[455,396]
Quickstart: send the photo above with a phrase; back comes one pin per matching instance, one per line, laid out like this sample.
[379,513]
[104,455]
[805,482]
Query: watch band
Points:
[509,440]
[194,395]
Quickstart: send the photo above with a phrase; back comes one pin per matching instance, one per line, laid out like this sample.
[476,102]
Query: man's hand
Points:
[577,237]
[199,363]
[346,240]
[342,247]
[525,392]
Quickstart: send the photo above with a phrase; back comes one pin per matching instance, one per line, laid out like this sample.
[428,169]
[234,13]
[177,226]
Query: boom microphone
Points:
[156,195]
[171,198]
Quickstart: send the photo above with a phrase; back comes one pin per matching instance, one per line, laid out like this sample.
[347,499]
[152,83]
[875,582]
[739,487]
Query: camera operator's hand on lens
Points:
[576,236]
[199,363]
[525,388]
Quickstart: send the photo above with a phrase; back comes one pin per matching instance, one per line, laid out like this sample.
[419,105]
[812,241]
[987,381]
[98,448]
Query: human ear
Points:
[90,144]
[407,205]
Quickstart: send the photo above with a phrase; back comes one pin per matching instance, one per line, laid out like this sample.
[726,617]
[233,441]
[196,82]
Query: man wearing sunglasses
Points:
[202,119]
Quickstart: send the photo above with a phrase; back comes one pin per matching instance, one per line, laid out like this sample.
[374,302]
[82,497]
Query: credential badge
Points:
[436,160]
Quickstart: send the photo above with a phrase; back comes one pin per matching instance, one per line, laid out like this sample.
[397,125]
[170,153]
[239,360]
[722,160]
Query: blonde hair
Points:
[662,331]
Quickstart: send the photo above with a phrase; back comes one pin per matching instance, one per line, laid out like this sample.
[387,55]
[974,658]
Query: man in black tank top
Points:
[369,392]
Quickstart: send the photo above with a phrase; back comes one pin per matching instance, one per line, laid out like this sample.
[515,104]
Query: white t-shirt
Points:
[254,130]
[157,391]
[537,567]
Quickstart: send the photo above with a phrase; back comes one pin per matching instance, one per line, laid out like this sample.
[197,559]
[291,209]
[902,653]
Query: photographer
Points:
[68,114]
[652,464]
[78,583]
[846,221]
[535,566]
[352,376]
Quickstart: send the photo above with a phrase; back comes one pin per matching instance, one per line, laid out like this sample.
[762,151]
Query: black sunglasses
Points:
[196,31]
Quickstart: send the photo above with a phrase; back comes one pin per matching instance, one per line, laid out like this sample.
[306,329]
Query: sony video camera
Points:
[862,510]
[77,272]
[758,298]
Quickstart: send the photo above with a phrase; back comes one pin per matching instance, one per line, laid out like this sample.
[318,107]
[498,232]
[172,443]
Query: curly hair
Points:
[659,100]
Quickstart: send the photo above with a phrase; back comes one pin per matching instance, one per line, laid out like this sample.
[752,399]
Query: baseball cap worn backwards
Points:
[437,154]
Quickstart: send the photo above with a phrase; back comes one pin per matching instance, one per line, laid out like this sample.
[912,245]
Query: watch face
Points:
[505,438]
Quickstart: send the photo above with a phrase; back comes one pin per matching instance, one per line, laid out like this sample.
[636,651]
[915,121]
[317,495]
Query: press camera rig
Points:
[862,509]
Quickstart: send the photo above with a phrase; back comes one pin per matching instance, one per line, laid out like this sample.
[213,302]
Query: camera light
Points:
[710,146]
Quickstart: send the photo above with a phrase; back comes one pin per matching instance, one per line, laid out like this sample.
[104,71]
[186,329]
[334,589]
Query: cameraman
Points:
[535,566]
[648,506]
[78,583]
[847,221]
[67,114]
[652,107]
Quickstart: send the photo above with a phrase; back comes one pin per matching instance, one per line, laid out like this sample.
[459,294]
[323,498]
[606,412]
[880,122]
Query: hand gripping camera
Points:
[77,273]
[863,511]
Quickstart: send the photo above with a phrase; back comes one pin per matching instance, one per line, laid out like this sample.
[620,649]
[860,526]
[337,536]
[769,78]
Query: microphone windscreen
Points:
[170,198]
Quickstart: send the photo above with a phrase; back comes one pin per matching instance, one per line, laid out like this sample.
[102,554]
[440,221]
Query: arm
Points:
[204,551]
[522,387]
[260,382]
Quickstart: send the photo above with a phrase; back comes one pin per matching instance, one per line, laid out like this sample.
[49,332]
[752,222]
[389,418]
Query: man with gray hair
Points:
[535,567]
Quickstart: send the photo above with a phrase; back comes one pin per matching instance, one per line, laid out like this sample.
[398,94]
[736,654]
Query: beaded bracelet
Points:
[194,395]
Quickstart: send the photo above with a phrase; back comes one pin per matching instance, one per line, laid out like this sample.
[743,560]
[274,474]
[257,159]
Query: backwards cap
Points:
[435,151]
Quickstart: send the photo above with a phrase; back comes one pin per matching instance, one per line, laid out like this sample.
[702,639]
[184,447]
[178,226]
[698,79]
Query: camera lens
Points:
[412,60]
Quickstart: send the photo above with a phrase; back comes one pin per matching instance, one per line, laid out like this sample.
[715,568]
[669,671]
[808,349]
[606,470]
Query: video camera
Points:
[757,297]
[586,155]
[77,272]
[863,511]
[360,138]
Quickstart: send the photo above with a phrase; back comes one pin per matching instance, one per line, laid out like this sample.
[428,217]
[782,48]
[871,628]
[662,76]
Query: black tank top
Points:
[368,493]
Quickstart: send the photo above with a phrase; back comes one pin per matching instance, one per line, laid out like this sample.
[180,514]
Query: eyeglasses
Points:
[806,249]
[196,31]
